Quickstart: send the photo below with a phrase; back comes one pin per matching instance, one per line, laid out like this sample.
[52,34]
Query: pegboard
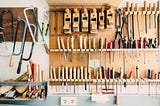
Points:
[17,12]
[125,59]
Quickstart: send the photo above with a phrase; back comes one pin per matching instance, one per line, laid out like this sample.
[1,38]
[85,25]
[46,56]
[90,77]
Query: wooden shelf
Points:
[103,50]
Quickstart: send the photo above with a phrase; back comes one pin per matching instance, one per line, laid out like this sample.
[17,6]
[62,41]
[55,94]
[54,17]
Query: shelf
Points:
[20,98]
[107,80]
[103,50]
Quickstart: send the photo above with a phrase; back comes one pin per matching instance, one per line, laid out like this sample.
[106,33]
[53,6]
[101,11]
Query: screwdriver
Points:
[70,76]
[81,68]
[72,47]
[78,77]
[94,49]
[137,77]
[155,15]
[80,46]
[121,77]
[85,78]
[74,76]
[63,78]
[66,78]
[63,47]
[59,74]
[97,81]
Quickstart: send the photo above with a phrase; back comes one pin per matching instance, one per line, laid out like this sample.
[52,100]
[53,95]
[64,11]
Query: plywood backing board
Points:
[17,12]
[133,58]
[82,2]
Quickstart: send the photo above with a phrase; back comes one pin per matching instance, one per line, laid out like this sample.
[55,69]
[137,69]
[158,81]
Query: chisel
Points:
[70,77]
[68,39]
[137,77]
[113,71]
[132,9]
[101,47]
[97,74]
[100,75]
[85,78]
[155,14]
[85,44]
[145,12]
[150,15]
[94,50]
[66,70]
[78,77]
[74,77]
[63,47]
[63,78]
[158,23]
[59,46]
[51,75]
[128,18]
[80,46]
[88,67]
[59,76]
[121,78]
[137,13]
[72,47]
[81,70]
[54,75]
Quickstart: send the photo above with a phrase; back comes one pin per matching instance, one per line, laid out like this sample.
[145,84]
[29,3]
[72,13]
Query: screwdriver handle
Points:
[154,6]
[59,73]
[113,71]
[89,44]
[72,42]
[62,73]
[144,42]
[66,68]
[62,43]
[78,73]
[101,43]
[128,6]
[130,74]
[80,41]
[85,73]
[85,42]
[137,72]
[70,73]
[97,74]
[136,7]
[106,43]
[68,43]
[58,43]
[121,73]
[94,43]
[150,7]
[100,73]
[51,73]
[81,72]
[132,7]
[145,5]
[74,71]
[54,72]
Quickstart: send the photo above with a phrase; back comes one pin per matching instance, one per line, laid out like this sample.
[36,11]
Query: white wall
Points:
[39,55]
